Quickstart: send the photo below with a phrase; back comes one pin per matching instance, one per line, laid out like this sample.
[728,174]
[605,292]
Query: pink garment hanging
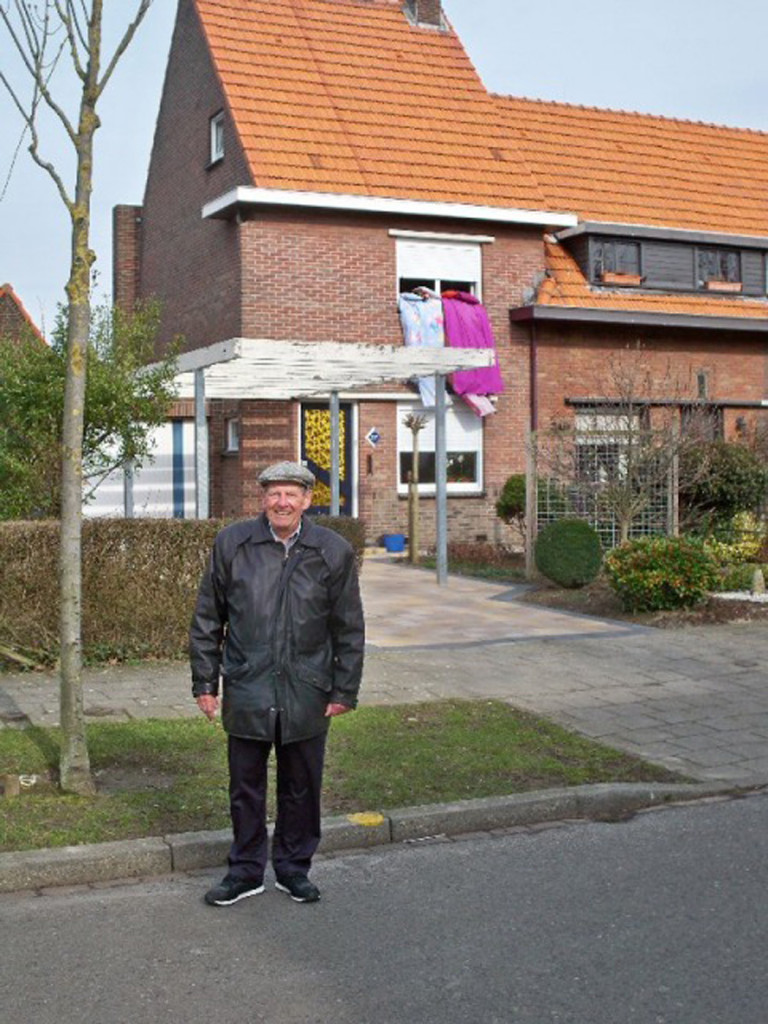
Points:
[467,326]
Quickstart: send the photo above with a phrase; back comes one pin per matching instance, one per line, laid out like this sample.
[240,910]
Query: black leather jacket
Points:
[286,634]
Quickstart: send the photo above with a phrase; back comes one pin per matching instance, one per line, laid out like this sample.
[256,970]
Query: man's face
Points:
[283,505]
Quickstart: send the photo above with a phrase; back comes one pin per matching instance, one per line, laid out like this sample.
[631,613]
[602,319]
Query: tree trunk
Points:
[74,765]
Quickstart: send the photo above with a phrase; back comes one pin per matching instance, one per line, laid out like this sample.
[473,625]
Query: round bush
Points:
[661,573]
[569,552]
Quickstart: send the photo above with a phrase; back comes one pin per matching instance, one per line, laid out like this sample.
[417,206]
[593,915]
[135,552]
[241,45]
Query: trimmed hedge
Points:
[140,580]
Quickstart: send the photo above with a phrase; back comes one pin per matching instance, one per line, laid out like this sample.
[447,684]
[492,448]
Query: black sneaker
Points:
[230,890]
[298,887]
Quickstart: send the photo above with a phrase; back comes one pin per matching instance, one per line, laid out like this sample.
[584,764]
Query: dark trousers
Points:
[297,825]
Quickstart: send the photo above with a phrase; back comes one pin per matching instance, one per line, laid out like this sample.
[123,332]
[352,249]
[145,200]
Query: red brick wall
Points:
[578,362]
[191,264]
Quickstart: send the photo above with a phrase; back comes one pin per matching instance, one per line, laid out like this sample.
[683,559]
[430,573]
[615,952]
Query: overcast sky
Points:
[697,59]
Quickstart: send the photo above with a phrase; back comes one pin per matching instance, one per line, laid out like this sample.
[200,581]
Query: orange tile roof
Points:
[641,169]
[346,96]
[566,286]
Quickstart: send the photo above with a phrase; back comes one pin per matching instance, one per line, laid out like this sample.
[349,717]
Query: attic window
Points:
[217,137]
[718,270]
[616,262]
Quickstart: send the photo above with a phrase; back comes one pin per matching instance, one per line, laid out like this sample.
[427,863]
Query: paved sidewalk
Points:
[693,699]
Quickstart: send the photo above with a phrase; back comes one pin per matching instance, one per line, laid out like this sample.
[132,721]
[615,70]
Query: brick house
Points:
[15,321]
[313,158]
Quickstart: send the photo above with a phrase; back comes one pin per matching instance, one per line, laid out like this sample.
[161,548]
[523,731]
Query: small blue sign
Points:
[373,437]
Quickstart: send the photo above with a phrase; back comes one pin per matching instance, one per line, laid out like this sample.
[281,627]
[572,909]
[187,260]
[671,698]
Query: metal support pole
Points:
[128,489]
[441,477]
[531,503]
[335,460]
[201,448]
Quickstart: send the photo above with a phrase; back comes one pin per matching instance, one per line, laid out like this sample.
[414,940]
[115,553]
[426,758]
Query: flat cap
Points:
[287,473]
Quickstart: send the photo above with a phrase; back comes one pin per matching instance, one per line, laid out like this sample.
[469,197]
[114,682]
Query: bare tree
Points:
[52,37]
[620,462]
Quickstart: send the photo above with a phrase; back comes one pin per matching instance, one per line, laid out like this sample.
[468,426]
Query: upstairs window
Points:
[718,269]
[616,262]
[438,265]
[217,137]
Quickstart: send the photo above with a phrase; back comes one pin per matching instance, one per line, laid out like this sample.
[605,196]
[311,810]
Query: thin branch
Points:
[71,27]
[47,166]
[35,68]
[143,7]
[14,158]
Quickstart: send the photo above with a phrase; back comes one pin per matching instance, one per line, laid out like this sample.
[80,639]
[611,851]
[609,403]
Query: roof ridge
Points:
[627,113]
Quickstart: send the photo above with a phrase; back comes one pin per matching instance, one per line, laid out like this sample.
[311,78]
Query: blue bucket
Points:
[394,542]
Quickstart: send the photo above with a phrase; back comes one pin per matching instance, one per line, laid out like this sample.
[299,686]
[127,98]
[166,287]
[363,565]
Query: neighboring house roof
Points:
[566,287]
[15,321]
[347,96]
[632,168]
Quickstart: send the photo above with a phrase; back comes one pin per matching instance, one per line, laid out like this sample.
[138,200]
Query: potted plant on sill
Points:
[723,286]
[621,278]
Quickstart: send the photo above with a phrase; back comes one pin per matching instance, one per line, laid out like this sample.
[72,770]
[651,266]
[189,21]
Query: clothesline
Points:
[460,320]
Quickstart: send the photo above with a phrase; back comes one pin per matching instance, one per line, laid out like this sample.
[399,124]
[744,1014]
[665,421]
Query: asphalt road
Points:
[659,920]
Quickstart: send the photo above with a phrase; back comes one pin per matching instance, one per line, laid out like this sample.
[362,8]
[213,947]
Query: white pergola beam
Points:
[269,369]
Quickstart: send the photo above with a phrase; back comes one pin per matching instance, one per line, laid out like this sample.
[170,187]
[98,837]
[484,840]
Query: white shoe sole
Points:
[242,896]
[296,899]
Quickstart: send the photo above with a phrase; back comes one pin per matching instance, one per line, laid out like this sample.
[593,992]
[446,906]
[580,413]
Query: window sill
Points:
[430,495]
[214,163]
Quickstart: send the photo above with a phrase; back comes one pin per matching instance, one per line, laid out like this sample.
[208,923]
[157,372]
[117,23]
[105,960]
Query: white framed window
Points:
[602,441]
[217,137]
[232,435]
[440,265]
[464,444]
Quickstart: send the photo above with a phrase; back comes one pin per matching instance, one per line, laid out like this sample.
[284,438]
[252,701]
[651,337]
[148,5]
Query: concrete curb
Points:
[188,851]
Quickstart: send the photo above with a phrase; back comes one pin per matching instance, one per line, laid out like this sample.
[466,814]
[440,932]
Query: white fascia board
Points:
[247,195]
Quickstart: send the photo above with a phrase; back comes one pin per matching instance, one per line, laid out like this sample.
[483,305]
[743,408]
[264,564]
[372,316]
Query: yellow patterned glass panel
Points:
[317,448]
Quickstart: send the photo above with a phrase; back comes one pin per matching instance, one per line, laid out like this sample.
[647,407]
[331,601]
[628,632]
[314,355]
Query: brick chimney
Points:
[425,12]
[126,245]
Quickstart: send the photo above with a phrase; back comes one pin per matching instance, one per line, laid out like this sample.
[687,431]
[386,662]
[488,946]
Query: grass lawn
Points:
[158,777]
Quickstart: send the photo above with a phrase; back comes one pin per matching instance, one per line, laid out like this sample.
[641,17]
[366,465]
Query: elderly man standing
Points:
[279,620]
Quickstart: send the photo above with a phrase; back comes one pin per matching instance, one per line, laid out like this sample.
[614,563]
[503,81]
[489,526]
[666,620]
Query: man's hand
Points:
[209,705]
[337,709]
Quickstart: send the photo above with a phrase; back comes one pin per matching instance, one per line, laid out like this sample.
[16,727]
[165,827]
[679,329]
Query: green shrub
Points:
[511,504]
[719,480]
[552,499]
[660,573]
[741,540]
[140,580]
[569,552]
